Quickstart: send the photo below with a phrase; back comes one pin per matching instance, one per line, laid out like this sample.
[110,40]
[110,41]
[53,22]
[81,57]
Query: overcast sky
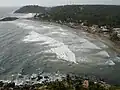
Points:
[55,2]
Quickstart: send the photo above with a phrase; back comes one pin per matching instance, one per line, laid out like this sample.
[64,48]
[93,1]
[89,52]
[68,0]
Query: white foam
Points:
[29,15]
[55,32]
[21,24]
[103,53]
[46,27]
[61,29]
[62,51]
[88,45]
[117,59]
[51,33]
[25,25]
[31,27]
[58,33]
[85,44]
[64,33]
[110,62]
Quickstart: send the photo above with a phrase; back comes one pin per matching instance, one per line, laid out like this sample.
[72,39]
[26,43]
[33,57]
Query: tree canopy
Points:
[93,14]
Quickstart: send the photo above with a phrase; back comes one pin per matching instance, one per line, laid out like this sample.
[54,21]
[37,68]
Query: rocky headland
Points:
[9,19]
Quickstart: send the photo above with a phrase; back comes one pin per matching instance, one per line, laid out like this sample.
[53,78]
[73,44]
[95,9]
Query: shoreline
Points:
[112,44]
[100,36]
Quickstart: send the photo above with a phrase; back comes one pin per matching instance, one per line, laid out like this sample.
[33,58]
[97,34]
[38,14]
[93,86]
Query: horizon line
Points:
[59,5]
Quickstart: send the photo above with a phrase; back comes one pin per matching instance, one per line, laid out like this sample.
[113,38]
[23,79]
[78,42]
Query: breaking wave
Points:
[62,51]
[65,44]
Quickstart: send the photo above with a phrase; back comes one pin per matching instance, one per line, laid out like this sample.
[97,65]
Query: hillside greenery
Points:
[101,15]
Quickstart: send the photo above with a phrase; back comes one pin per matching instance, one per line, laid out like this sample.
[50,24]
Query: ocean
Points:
[29,46]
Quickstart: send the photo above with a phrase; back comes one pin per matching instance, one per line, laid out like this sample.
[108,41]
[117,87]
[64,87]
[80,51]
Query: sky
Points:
[55,2]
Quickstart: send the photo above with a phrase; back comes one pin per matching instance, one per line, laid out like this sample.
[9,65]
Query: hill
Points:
[31,9]
[92,14]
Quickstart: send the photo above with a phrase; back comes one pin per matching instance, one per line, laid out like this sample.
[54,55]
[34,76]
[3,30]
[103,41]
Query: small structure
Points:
[85,84]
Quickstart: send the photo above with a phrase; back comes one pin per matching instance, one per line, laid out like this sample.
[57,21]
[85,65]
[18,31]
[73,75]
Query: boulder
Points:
[11,84]
[104,29]
[1,83]
[115,36]
[39,78]
[46,77]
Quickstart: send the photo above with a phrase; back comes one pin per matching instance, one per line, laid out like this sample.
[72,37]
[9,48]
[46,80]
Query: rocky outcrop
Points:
[70,82]
[9,19]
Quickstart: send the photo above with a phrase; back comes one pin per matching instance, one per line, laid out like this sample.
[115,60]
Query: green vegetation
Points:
[101,15]
[92,14]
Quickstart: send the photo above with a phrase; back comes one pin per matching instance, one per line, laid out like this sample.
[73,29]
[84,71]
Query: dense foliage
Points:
[93,14]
